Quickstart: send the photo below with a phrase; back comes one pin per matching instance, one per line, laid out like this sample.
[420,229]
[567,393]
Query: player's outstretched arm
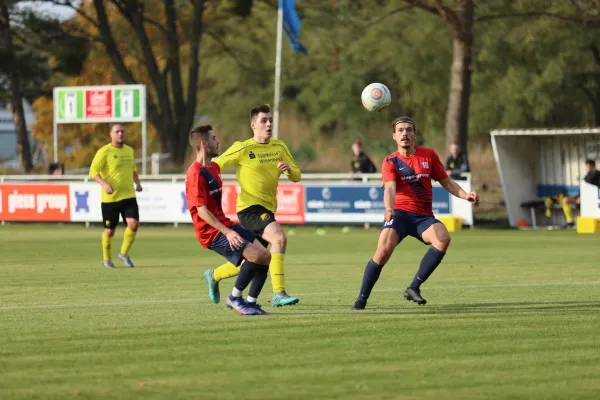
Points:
[293,171]
[234,239]
[454,189]
[230,156]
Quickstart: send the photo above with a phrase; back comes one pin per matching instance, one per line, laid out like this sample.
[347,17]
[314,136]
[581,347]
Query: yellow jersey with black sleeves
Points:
[116,166]
[257,172]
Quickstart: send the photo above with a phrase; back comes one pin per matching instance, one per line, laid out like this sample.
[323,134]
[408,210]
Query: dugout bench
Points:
[549,204]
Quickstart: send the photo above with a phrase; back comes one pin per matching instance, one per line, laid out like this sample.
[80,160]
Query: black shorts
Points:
[127,208]
[255,219]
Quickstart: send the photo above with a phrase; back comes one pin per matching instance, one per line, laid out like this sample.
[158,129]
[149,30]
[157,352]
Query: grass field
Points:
[511,315]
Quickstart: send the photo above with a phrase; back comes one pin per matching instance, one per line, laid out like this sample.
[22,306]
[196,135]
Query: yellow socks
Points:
[106,242]
[276,267]
[128,238]
[225,271]
[568,212]
[277,276]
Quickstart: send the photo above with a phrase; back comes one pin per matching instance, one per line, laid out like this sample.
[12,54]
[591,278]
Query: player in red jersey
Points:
[203,189]
[407,175]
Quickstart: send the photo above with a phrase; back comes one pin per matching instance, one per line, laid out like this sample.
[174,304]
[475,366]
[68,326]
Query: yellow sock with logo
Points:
[277,272]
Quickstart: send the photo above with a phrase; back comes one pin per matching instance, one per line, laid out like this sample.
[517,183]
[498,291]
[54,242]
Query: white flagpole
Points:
[277,72]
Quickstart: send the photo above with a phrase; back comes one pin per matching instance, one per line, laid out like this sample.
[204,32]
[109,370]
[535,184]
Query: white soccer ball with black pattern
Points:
[376,97]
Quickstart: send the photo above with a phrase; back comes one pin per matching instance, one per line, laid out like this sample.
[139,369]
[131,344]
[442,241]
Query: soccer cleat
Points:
[238,304]
[567,225]
[359,304]
[108,264]
[414,294]
[281,299]
[257,307]
[213,286]
[126,260]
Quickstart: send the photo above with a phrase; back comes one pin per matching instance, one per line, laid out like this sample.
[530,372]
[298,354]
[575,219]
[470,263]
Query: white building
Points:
[8,134]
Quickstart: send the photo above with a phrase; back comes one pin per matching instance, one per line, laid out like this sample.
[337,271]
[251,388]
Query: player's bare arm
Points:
[389,194]
[234,239]
[107,188]
[138,184]
[454,189]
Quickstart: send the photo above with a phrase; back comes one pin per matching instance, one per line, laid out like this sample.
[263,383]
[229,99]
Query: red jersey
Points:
[413,177]
[203,187]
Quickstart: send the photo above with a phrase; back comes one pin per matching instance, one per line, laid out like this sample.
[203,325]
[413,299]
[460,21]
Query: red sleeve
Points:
[388,171]
[195,189]
[438,172]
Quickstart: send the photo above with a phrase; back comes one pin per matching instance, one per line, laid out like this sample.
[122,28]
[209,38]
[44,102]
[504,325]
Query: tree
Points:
[460,18]
[11,69]
[165,38]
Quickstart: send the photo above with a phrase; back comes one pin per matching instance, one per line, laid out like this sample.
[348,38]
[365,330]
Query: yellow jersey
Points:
[116,166]
[257,172]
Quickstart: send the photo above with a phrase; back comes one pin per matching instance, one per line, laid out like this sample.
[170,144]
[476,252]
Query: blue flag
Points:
[291,24]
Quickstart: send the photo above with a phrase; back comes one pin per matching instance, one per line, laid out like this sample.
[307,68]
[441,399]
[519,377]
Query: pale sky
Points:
[61,12]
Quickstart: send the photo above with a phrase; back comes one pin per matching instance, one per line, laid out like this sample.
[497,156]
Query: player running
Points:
[203,190]
[114,169]
[407,175]
[259,162]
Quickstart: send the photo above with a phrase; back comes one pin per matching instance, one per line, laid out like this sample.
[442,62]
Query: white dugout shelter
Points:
[537,163]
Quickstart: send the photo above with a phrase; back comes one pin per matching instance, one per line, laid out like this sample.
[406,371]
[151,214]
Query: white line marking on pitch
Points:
[146,302]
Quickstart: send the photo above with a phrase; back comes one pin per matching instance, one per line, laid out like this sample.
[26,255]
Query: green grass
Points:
[511,315]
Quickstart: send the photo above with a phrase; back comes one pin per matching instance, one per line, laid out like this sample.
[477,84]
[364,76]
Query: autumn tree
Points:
[164,38]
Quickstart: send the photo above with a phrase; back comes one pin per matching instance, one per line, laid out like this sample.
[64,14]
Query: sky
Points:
[61,12]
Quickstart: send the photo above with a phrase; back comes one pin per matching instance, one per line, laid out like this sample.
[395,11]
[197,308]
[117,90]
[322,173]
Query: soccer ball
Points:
[376,97]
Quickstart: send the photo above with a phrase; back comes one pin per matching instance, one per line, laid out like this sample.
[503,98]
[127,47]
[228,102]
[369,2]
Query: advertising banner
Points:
[352,203]
[34,202]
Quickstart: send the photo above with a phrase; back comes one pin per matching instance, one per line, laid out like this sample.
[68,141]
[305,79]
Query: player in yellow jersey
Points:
[114,169]
[259,162]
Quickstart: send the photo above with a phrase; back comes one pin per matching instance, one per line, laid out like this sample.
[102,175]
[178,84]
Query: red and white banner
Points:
[34,202]
[98,103]
[290,202]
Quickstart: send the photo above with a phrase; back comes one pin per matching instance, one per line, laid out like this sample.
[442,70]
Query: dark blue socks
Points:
[429,263]
[372,272]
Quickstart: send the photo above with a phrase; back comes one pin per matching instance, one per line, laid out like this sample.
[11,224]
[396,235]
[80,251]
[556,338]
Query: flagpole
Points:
[277,71]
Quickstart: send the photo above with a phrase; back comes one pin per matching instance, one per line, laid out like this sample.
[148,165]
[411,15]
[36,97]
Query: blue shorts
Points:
[221,245]
[410,224]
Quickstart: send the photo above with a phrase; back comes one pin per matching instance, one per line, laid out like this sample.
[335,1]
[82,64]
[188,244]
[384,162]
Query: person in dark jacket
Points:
[593,178]
[457,162]
[361,163]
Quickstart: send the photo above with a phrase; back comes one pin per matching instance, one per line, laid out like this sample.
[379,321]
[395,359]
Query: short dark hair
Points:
[590,162]
[199,132]
[110,126]
[404,119]
[358,142]
[265,108]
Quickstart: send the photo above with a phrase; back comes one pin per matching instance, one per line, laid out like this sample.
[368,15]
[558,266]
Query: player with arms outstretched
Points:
[407,175]
[113,167]
[259,162]
[203,190]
